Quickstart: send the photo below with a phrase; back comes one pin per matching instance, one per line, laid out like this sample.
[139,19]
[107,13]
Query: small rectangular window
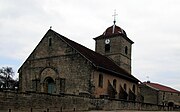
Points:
[100,80]
[134,88]
[35,84]
[114,83]
[50,41]
[107,47]
[62,85]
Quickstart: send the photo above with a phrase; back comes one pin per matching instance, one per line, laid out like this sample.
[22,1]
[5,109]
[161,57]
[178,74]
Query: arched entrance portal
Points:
[49,85]
[170,104]
[47,79]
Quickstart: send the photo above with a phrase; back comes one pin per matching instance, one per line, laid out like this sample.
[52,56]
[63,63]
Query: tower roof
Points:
[113,31]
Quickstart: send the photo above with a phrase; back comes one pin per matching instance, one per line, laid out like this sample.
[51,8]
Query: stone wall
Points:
[150,95]
[166,97]
[58,61]
[159,97]
[117,51]
[119,83]
[41,102]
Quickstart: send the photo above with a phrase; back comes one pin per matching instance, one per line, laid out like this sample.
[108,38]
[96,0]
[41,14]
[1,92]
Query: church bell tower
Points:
[115,44]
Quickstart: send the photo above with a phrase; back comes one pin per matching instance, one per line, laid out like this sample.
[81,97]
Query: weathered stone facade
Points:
[169,98]
[61,75]
[150,95]
[61,66]
[160,97]
[120,83]
[120,47]
[59,62]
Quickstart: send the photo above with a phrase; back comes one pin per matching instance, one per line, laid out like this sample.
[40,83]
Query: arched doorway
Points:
[170,104]
[47,80]
[49,85]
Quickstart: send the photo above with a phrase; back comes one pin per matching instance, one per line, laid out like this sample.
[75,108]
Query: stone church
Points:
[59,65]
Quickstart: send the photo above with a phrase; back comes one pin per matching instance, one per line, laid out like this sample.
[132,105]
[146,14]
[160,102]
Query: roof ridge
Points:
[80,45]
[162,87]
[167,87]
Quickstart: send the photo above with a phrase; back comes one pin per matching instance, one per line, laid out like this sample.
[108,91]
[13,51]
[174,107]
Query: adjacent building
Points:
[155,93]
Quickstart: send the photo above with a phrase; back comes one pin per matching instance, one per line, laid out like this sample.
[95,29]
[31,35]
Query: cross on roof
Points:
[114,16]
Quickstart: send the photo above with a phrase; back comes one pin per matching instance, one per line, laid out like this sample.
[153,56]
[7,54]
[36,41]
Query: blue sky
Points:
[154,26]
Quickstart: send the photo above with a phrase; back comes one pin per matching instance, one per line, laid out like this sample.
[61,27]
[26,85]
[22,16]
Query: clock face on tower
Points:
[107,41]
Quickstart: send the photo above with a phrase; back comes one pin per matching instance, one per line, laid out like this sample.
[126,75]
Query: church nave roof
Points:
[99,61]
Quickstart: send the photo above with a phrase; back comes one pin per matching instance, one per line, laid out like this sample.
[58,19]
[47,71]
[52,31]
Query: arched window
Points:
[107,47]
[114,83]
[134,88]
[100,80]
[126,50]
[125,87]
[49,85]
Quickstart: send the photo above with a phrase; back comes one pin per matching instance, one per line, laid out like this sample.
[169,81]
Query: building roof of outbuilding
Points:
[99,61]
[161,87]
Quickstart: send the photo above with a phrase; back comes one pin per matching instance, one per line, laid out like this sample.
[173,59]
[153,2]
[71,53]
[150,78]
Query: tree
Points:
[6,78]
